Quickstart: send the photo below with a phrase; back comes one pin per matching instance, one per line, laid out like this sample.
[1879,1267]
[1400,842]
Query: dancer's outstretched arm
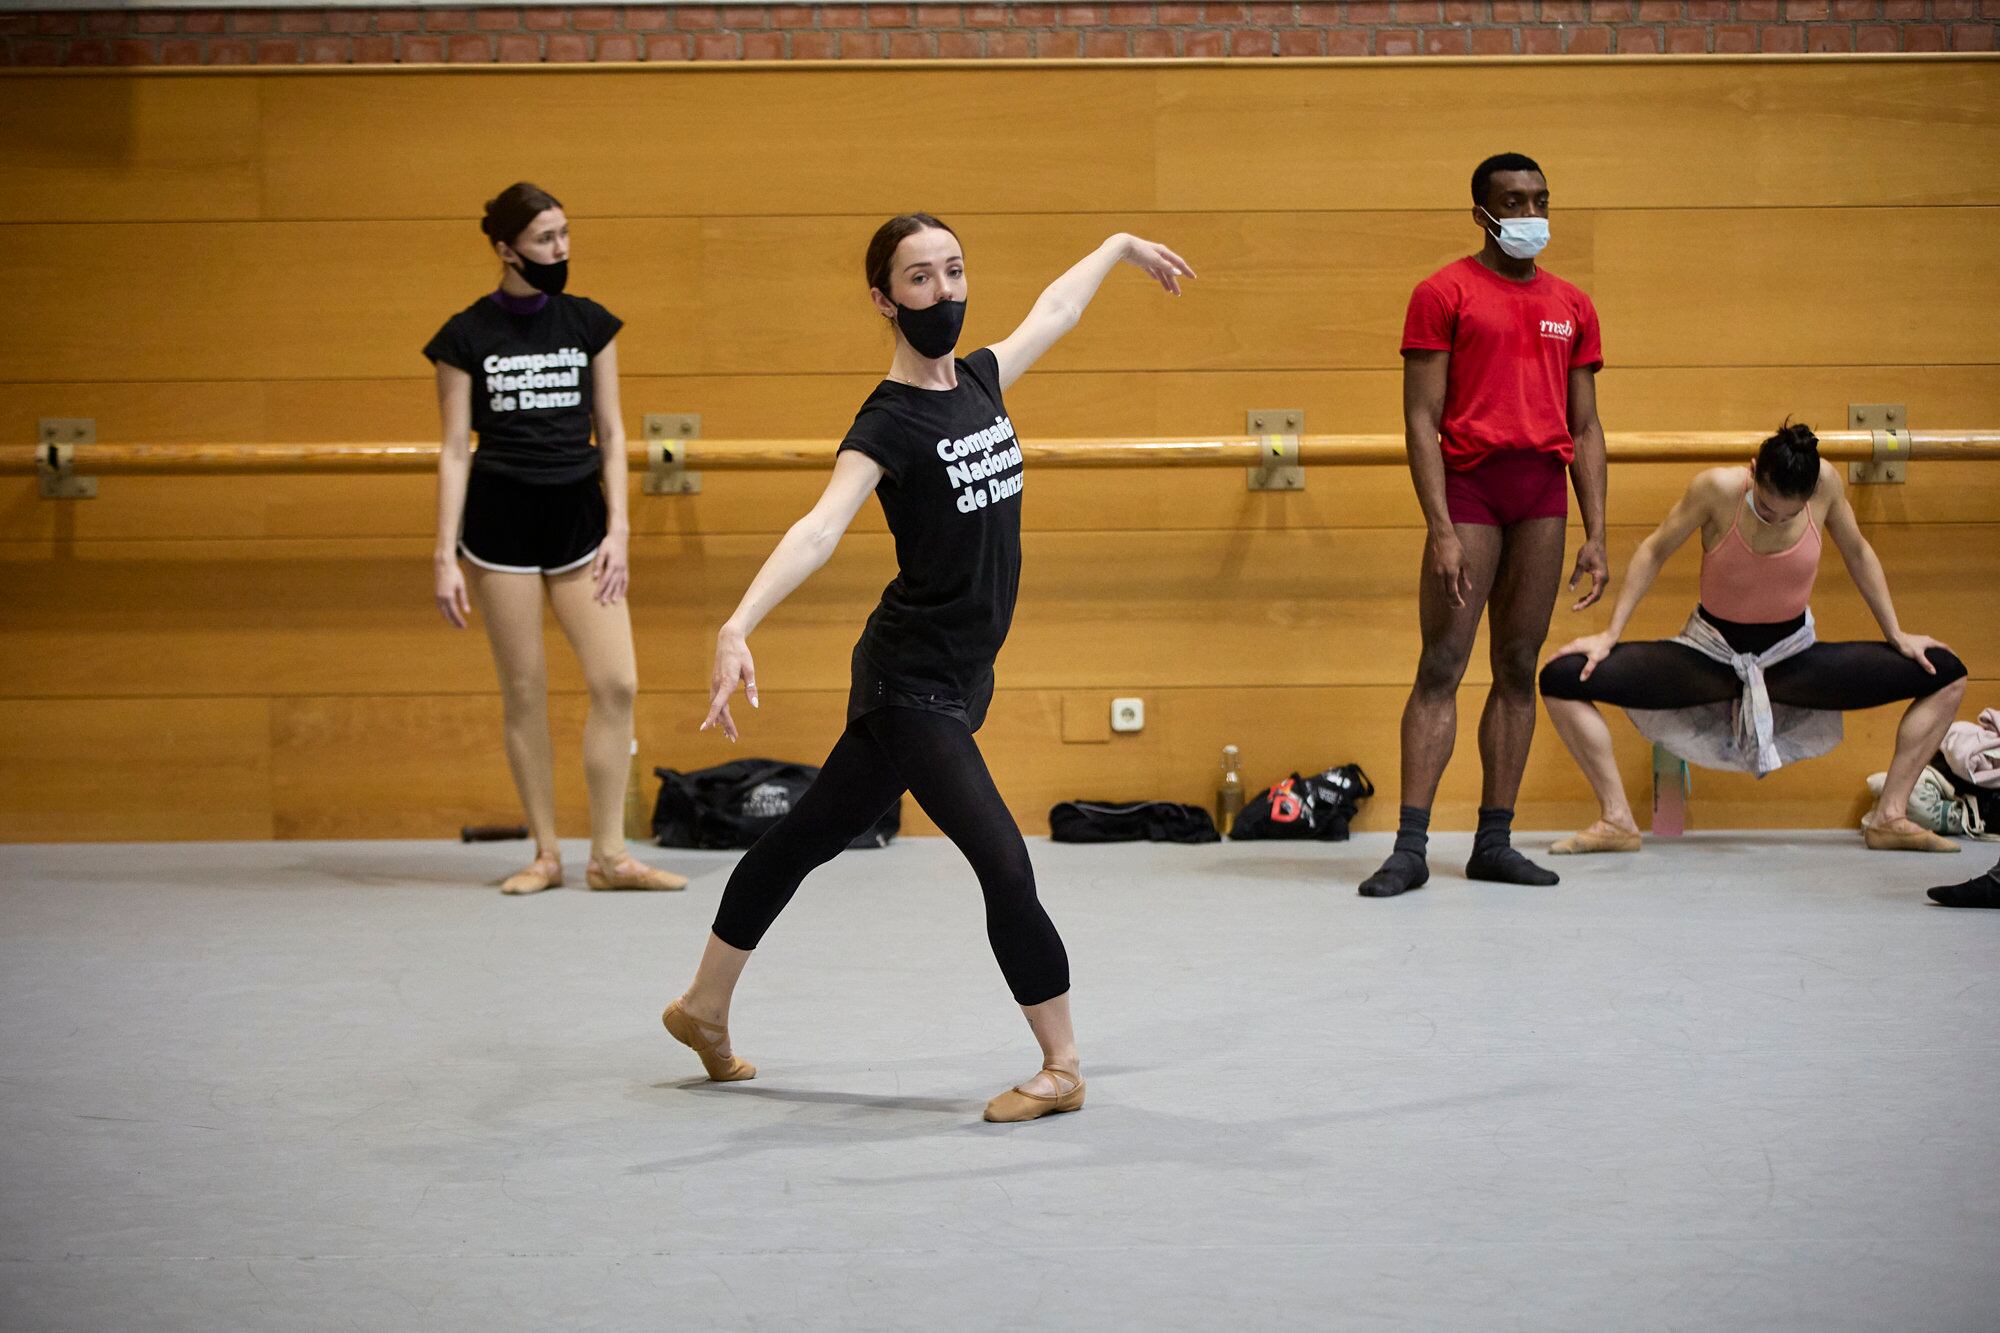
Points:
[805,546]
[1062,302]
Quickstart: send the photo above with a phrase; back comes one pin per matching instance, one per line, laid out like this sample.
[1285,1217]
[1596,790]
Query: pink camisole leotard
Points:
[1740,585]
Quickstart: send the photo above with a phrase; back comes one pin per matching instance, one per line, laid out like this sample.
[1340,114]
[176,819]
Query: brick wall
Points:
[926,32]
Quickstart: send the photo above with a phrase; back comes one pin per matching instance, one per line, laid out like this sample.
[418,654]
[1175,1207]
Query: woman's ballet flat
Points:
[1015,1105]
[630,874]
[1596,838]
[692,1033]
[544,873]
[1896,840]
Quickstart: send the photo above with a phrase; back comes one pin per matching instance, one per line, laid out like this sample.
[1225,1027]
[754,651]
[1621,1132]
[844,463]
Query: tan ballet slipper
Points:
[544,872]
[1914,839]
[693,1033]
[1599,837]
[630,873]
[1015,1105]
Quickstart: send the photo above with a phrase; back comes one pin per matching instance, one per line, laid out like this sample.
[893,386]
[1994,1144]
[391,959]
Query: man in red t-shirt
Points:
[1499,403]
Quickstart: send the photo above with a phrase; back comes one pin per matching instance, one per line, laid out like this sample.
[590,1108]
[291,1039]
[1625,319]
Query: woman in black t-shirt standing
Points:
[935,444]
[538,509]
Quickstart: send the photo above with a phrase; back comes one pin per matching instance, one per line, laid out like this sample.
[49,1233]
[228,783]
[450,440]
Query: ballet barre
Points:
[69,470]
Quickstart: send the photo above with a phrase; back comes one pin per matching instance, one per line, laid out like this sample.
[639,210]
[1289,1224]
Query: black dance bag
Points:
[1320,807]
[1130,821]
[730,806]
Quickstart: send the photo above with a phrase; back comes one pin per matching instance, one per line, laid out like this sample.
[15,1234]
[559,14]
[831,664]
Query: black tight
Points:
[1664,674]
[881,755]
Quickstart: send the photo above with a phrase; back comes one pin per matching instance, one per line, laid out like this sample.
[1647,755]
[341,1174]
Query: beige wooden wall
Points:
[259,256]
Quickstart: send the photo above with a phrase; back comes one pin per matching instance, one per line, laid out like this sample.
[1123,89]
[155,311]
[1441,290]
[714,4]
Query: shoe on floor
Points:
[544,872]
[1014,1105]
[1913,840]
[1599,837]
[630,874]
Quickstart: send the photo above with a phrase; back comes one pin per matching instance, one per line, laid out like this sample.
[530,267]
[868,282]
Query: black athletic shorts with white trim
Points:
[518,527]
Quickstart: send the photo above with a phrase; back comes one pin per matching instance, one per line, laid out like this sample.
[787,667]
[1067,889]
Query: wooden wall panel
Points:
[134,769]
[225,257]
[727,143]
[298,300]
[1382,138]
[420,766]
[142,149]
[1189,608]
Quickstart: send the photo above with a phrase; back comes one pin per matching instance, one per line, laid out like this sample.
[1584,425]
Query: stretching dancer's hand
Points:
[1914,646]
[1161,264]
[611,569]
[733,667]
[1448,567]
[1590,560]
[452,602]
[1594,647]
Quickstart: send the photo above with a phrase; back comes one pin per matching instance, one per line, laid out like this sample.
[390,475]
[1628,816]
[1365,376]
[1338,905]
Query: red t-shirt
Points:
[1512,347]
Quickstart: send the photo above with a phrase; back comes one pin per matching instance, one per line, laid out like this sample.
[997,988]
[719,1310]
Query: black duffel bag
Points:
[1130,821]
[728,807]
[1320,806]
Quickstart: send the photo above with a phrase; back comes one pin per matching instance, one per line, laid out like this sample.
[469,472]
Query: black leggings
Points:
[1664,674]
[881,755]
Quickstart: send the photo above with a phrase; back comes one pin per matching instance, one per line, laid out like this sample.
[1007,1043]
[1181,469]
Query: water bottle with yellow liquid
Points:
[1229,792]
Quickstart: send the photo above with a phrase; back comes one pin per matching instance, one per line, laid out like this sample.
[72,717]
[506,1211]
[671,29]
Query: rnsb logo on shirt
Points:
[972,459]
[1558,328]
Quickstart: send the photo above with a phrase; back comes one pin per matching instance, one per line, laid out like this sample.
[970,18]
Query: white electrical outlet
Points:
[1128,714]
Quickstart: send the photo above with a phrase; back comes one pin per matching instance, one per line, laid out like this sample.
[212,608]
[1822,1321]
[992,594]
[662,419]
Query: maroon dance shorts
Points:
[1509,487]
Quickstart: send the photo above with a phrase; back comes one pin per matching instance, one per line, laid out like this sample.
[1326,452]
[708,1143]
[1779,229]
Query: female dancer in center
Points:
[935,444]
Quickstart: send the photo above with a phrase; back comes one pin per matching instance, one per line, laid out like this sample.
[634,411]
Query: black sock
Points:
[1406,868]
[1413,833]
[1494,858]
[1979,891]
[1496,828]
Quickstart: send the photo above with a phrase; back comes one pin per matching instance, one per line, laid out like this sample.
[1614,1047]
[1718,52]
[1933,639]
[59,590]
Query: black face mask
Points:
[933,331]
[550,278]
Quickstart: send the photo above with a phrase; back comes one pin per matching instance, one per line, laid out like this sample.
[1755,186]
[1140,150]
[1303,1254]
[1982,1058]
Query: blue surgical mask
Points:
[1521,238]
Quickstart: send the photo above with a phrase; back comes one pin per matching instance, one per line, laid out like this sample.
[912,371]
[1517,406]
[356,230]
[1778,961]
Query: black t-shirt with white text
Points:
[951,491]
[531,392]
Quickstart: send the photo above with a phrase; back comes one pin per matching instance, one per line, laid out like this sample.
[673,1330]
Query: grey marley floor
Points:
[1738,1082]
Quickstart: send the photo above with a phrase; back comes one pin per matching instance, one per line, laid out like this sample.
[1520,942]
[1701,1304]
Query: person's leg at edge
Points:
[602,638]
[855,785]
[511,606]
[1430,717]
[940,763]
[1524,596]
